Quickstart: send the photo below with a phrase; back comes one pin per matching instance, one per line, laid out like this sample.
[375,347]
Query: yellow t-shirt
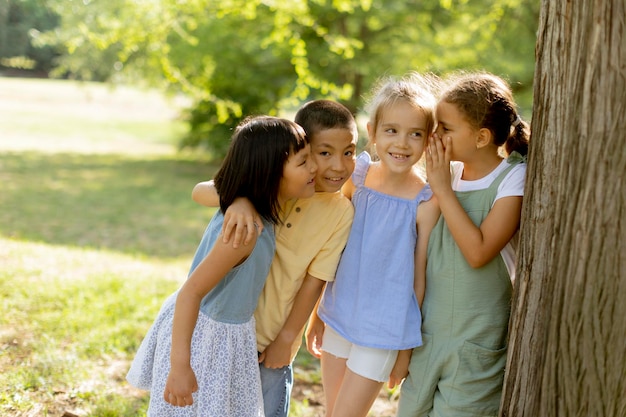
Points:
[310,240]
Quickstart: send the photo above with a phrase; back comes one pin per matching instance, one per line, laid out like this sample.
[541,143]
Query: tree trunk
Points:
[567,344]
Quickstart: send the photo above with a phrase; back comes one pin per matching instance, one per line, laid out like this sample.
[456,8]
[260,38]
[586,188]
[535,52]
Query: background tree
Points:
[568,337]
[21,23]
[238,57]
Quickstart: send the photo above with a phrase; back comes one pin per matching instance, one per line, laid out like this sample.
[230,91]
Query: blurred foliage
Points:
[238,57]
[21,23]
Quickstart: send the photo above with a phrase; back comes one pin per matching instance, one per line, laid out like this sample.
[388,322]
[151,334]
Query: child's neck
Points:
[398,184]
[480,167]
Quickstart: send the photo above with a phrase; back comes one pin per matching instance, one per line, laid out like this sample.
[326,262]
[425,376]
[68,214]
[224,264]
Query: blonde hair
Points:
[420,90]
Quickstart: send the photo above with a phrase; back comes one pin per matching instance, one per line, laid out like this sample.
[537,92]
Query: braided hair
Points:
[487,102]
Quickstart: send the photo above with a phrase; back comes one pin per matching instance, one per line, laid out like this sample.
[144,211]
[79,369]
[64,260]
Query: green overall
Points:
[459,369]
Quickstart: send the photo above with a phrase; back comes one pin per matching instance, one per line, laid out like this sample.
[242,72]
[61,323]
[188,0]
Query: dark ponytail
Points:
[487,102]
[519,137]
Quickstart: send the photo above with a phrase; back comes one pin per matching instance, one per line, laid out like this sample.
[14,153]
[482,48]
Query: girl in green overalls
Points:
[459,370]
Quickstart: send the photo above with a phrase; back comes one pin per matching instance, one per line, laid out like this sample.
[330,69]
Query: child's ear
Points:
[484,138]
[370,132]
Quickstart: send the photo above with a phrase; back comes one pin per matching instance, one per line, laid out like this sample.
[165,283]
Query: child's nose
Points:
[338,164]
[403,140]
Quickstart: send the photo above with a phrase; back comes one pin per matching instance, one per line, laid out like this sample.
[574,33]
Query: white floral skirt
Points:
[223,357]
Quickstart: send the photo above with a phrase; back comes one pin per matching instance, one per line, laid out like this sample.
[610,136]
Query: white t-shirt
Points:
[512,185]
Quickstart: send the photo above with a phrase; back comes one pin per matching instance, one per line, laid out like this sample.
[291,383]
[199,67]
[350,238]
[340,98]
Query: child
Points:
[199,357]
[460,368]
[371,310]
[309,242]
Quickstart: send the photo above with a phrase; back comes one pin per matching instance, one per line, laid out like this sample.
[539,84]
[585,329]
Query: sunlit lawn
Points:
[97,227]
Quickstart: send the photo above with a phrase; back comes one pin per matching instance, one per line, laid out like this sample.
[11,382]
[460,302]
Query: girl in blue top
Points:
[371,311]
[199,357]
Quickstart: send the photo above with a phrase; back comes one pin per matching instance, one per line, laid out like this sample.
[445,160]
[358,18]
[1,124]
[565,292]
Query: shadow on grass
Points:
[135,206]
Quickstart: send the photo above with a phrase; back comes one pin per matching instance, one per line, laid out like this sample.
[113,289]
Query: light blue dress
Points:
[372,301]
[223,345]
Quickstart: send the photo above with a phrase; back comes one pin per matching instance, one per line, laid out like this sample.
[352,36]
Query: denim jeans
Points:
[276,385]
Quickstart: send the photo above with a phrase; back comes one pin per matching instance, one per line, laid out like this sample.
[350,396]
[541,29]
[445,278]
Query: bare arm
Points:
[181,380]
[205,193]
[479,245]
[400,368]
[240,218]
[278,353]
[348,188]
[427,216]
[315,332]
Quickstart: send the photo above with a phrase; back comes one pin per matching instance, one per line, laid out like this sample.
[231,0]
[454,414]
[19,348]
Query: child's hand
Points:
[276,355]
[314,335]
[179,386]
[438,155]
[400,369]
[243,218]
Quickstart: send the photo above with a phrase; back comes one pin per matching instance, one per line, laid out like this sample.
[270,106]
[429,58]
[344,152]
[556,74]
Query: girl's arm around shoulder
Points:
[240,218]
[205,193]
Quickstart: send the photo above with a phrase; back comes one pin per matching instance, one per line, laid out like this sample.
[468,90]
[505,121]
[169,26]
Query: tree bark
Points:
[567,344]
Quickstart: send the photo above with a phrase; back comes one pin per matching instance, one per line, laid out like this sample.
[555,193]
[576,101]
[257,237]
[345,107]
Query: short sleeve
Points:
[513,184]
[324,265]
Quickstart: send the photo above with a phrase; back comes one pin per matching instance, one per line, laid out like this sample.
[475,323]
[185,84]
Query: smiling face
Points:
[298,180]
[400,136]
[451,123]
[334,152]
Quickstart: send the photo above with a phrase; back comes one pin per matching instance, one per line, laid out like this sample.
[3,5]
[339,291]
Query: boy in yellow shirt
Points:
[309,244]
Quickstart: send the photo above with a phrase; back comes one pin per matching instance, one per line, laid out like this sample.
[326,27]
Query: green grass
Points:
[104,201]
[71,320]
[97,227]
[85,118]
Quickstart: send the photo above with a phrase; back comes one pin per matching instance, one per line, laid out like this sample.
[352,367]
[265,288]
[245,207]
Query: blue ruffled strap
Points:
[424,195]
[360,170]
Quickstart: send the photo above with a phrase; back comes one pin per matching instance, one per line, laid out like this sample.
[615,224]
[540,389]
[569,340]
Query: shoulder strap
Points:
[360,169]
[513,159]
[424,195]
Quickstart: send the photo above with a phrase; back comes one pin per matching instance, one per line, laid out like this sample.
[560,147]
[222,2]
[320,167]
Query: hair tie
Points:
[517,121]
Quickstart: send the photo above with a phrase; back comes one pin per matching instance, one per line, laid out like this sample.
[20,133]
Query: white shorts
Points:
[372,363]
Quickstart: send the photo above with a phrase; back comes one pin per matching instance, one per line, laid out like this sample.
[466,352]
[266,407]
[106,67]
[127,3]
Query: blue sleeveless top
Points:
[372,300]
[234,298]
